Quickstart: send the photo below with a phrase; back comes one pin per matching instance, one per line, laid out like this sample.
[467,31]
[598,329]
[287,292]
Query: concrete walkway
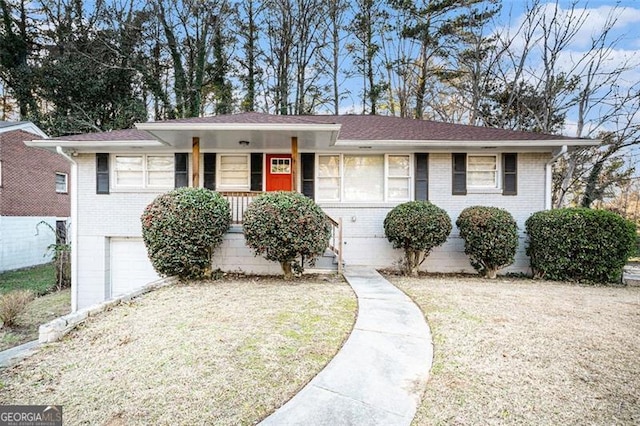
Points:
[379,375]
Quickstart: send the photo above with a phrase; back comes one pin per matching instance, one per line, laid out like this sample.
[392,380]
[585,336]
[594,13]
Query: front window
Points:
[234,172]
[144,171]
[482,171]
[61,183]
[363,178]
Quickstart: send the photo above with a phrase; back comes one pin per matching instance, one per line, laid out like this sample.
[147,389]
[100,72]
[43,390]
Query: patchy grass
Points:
[527,352]
[225,352]
[39,279]
[39,311]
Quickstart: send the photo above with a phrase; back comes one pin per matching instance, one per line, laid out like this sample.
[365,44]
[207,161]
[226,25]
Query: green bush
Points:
[579,244]
[416,227]
[490,238]
[182,228]
[284,227]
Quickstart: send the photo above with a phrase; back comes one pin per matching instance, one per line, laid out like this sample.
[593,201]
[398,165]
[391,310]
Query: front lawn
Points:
[224,352]
[39,279]
[511,351]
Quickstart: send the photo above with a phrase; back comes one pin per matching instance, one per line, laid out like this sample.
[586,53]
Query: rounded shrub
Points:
[490,238]
[579,244]
[416,227]
[181,230]
[288,228]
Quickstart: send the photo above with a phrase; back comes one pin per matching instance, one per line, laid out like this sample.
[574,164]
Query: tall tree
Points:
[438,27]
[16,50]
[368,27]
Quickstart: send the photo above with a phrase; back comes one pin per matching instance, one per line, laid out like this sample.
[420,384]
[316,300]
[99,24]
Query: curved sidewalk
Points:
[379,375]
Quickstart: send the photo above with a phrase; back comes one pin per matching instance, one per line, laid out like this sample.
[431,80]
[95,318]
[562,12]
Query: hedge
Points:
[579,244]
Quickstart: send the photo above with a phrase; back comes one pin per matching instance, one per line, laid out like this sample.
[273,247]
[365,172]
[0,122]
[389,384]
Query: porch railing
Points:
[239,201]
[335,242]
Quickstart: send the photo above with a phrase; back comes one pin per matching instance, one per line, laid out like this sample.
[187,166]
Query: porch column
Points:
[195,162]
[294,163]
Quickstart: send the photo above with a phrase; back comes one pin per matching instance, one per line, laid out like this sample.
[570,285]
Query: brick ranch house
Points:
[34,187]
[355,167]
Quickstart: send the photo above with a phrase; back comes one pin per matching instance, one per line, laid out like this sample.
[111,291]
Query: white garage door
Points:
[130,266]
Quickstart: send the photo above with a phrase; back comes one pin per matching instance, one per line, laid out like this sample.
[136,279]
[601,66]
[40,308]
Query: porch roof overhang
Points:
[260,136]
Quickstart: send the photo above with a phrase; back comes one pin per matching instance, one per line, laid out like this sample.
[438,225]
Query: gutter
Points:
[549,176]
[74,228]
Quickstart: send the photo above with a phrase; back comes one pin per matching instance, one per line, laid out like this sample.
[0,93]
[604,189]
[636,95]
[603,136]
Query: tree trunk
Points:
[286,268]
[491,273]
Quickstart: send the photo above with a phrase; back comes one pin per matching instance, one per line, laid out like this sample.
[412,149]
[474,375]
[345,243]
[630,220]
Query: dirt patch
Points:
[516,351]
[227,352]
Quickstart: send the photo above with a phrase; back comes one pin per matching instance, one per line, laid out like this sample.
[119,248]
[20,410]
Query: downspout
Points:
[74,228]
[549,176]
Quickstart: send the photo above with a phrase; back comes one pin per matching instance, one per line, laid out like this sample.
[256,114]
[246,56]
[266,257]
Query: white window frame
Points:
[221,186]
[66,183]
[497,181]
[386,195]
[143,184]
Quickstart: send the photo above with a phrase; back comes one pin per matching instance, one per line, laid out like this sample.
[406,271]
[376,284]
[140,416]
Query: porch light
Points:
[244,143]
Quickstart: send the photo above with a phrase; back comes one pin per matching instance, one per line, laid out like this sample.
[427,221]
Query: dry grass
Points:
[529,352]
[39,311]
[226,353]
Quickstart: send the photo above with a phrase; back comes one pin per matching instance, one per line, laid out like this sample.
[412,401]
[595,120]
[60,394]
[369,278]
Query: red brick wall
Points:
[28,186]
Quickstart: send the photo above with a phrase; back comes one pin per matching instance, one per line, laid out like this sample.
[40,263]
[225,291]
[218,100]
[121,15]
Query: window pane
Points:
[329,166]
[329,189]
[364,178]
[482,170]
[398,188]
[128,163]
[160,170]
[129,171]
[398,166]
[234,170]
[61,182]
[478,163]
[481,178]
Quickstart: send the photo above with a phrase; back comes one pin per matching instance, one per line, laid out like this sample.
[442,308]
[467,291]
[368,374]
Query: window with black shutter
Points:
[510,174]
[256,172]
[422,177]
[181,170]
[308,163]
[459,183]
[210,171]
[102,173]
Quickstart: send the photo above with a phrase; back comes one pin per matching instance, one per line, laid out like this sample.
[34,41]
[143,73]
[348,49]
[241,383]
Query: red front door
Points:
[278,172]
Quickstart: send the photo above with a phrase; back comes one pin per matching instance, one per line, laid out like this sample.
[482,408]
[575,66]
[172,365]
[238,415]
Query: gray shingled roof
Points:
[354,127]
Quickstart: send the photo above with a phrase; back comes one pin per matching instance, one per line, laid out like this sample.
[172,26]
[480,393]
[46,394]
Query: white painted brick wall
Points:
[20,247]
[118,215]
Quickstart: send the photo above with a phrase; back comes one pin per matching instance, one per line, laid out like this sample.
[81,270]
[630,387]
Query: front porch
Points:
[239,202]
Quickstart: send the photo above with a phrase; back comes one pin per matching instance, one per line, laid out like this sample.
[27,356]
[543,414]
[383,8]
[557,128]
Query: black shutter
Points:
[102,173]
[210,171]
[422,177]
[510,174]
[459,184]
[308,164]
[181,170]
[256,172]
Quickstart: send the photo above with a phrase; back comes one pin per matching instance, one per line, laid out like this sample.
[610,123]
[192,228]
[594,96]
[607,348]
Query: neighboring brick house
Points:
[34,187]
[357,168]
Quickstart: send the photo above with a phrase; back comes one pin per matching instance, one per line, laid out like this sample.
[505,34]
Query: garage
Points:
[130,266]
